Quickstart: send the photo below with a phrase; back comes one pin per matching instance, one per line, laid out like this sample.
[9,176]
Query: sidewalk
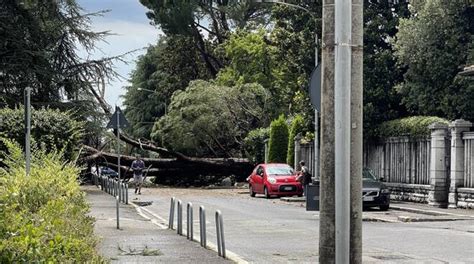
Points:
[139,240]
[430,210]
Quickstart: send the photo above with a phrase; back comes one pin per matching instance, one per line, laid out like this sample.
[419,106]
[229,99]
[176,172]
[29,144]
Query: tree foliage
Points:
[166,67]
[381,72]
[43,216]
[209,23]
[39,43]
[212,120]
[278,143]
[50,129]
[433,44]
[254,145]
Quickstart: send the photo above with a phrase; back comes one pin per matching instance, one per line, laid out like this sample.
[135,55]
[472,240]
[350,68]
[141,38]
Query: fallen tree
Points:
[174,167]
[179,170]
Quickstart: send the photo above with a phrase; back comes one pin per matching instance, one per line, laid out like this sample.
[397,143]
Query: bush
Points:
[412,126]
[297,126]
[43,215]
[50,129]
[278,144]
[254,145]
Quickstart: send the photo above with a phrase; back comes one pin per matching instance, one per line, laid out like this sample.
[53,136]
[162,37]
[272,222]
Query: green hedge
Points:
[297,126]
[50,129]
[278,144]
[43,217]
[412,126]
[254,144]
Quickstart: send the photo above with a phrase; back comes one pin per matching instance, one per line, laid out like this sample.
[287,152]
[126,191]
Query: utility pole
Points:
[340,238]
[117,110]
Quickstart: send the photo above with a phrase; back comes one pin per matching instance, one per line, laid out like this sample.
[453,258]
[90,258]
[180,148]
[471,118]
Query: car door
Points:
[258,180]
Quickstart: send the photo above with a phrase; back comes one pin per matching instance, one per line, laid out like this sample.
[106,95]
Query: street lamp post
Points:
[316,63]
[27,129]
[151,91]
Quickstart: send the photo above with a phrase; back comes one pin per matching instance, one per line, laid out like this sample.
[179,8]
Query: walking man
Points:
[137,166]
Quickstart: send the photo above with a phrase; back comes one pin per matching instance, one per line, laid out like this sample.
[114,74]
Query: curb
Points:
[293,199]
[210,246]
[427,212]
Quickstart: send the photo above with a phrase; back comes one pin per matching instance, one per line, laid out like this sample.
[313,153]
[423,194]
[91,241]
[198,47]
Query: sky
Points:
[127,19]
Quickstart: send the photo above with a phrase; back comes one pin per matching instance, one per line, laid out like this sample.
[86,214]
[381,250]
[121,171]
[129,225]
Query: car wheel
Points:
[265,191]
[252,193]
[300,195]
[384,207]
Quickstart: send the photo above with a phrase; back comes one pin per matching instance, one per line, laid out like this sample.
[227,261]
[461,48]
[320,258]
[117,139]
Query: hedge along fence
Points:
[51,129]
[414,126]
[278,144]
[43,216]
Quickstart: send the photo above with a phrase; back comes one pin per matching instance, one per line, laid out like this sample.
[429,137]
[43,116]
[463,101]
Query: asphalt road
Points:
[263,230]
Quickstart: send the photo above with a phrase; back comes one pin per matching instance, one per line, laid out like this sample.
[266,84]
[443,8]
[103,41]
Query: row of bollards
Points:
[202,224]
[112,187]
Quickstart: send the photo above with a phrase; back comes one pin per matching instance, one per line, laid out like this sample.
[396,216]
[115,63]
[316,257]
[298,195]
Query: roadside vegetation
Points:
[43,216]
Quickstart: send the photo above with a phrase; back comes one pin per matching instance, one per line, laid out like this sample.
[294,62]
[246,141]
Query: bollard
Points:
[220,234]
[202,226]
[118,224]
[171,217]
[189,216]
[179,229]
[126,193]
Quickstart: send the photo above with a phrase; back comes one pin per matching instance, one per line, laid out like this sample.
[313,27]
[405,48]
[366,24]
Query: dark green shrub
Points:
[43,216]
[254,144]
[50,129]
[297,126]
[408,126]
[278,144]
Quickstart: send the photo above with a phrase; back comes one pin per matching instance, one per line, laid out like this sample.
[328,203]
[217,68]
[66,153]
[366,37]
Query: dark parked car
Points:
[374,192]
[106,171]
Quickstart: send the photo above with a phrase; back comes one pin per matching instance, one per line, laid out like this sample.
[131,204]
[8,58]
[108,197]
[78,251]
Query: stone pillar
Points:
[458,127]
[297,150]
[438,195]
[266,150]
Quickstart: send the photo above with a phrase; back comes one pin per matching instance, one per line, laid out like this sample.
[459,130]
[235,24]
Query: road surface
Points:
[263,230]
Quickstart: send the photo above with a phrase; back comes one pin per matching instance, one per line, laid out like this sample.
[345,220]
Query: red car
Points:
[274,179]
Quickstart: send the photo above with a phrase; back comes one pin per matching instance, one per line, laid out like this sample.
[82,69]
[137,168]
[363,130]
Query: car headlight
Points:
[272,180]
[385,191]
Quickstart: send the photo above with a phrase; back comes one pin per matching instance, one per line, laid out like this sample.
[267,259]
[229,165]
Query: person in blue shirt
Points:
[138,165]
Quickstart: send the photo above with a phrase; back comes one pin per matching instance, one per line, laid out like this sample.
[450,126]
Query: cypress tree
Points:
[278,145]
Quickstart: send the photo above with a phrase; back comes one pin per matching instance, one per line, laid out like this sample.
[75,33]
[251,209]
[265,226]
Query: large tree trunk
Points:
[188,171]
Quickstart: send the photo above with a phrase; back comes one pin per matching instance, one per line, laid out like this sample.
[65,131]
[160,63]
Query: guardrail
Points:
[178,205]
[112,187]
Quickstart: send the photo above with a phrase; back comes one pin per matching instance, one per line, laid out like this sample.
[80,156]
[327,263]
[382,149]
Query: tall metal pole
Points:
[316,116]
[27,130]
[118,158]
[342,123]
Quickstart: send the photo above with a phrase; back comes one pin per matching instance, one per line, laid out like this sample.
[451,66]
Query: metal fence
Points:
[307,154]
[468,159]
[400,159]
